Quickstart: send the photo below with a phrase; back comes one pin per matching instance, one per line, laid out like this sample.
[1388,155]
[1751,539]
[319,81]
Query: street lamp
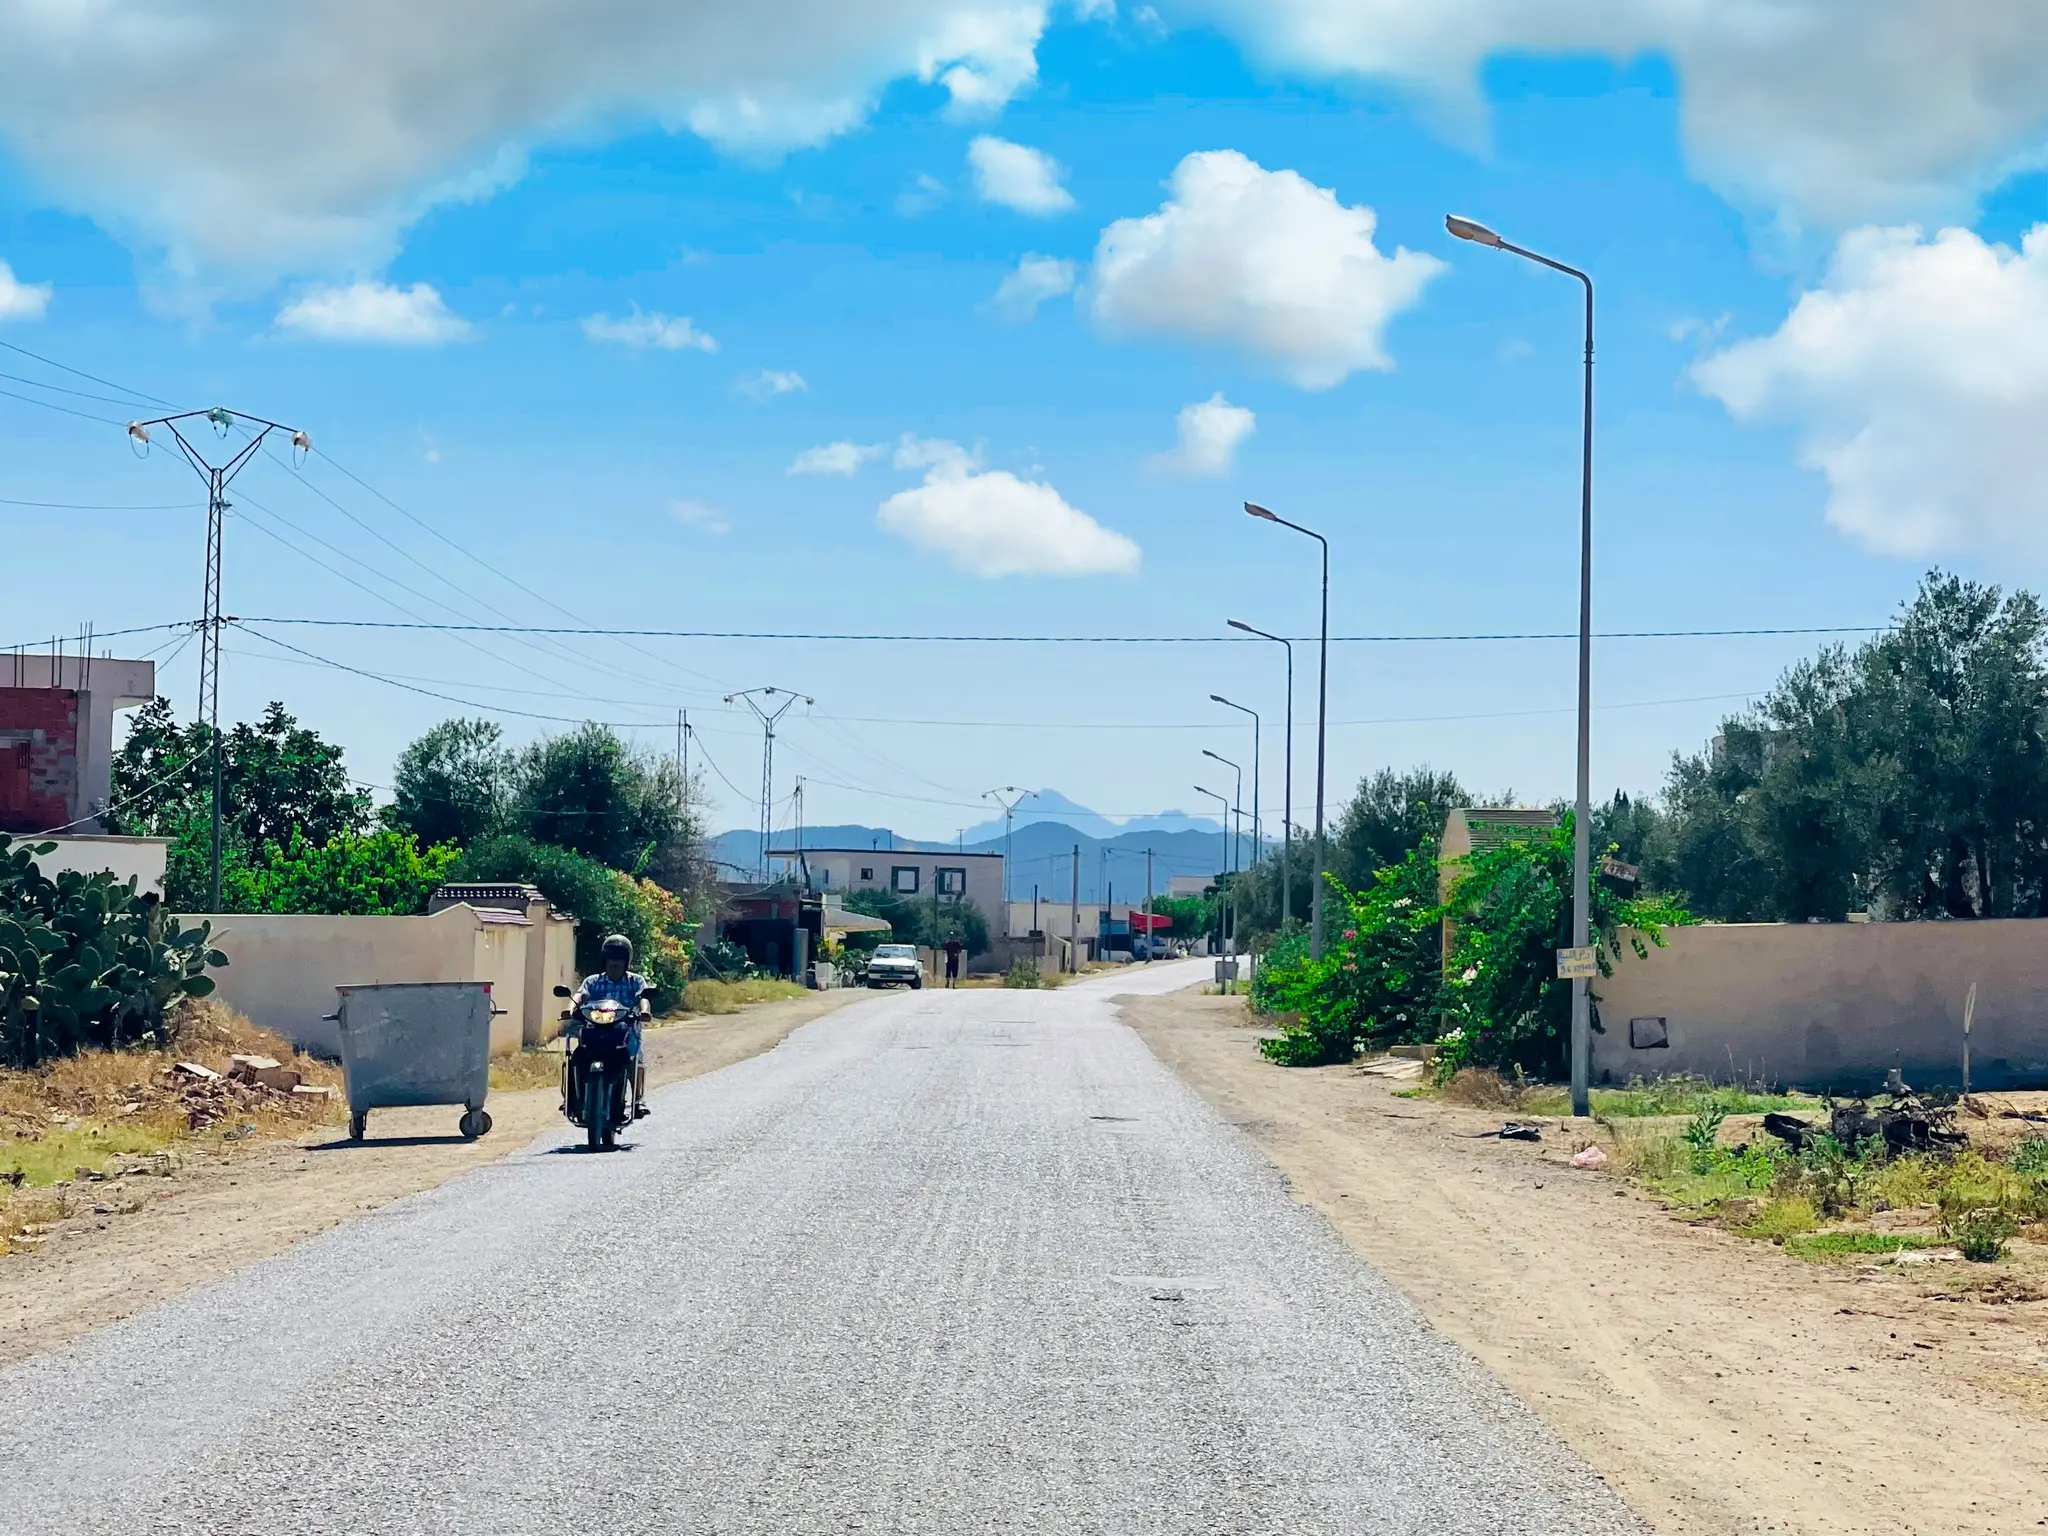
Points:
[1232,935]
[1258,842]
[1237,811]
[1582,846]
[1287,770]
[1315,941]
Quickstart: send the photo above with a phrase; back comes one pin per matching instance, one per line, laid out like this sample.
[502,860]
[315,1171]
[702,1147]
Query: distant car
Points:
[895,965]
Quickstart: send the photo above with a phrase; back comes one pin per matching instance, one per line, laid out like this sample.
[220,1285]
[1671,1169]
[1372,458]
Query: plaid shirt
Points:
[627,989]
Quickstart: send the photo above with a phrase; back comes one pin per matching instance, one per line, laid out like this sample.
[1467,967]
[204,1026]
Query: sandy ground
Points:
[1721,1385]
[214,1216]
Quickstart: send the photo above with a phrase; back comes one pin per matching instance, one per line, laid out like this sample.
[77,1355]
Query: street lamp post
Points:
[1287,771]
[1236,855]
[1582,845]
[1315,942]
[1222,937]
[1258,836]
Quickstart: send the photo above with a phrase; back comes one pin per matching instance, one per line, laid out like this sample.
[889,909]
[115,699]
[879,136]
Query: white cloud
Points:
[19,300]
[1832,110]
[694,514]
[983,56]
[1017,176]
[767,383]
[1916,377]
[349,119]
[841,458]
[1036,279]
[1263,260]
[1210,431]
[377,312]
[668,333]
[990,523]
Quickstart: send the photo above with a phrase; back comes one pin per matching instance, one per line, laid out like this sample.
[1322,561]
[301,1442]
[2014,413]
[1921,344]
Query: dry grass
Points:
[1481,1088]
[65,1126]
[540,1067]
[731,996]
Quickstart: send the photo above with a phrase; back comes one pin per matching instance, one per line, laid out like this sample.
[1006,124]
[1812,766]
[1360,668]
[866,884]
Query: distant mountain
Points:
[1050,805]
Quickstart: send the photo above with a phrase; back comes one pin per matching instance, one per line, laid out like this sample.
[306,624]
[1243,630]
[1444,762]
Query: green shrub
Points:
[1378,978]
[86,962]
[379,874]
[1784,1217]
[1024,975]
[1702,1136]
[2030,1157]
[603,900]
[1981,1235]
[1813,1245]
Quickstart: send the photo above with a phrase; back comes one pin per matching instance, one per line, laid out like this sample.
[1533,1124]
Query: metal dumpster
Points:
[416,1042]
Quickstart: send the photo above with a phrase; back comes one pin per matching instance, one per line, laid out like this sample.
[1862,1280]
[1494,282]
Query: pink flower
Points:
[1350,933]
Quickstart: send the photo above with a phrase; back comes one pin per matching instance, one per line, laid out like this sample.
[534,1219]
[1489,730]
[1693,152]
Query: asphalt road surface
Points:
[941,1263]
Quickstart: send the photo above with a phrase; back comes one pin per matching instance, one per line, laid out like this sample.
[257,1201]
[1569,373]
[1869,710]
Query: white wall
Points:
[282,969]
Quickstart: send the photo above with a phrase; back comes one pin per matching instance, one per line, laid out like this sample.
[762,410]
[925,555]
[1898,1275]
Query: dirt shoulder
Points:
[159,1235]
[1721,1385]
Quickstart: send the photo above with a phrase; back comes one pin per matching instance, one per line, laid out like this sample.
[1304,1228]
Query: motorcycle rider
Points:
[617,982]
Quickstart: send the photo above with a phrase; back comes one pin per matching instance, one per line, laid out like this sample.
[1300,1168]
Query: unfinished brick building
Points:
[57,736]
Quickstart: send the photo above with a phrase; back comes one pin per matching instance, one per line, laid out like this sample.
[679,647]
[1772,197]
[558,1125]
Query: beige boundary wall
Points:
[1831,1005]
[282,970]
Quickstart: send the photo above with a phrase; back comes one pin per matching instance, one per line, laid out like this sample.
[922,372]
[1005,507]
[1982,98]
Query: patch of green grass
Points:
[1817,1245]
[1785,1217]
[1645,1098]
[61,1151]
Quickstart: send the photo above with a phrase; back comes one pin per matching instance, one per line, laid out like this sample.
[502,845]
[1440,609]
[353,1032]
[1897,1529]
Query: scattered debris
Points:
[264,1071]
[1589,1157]
[1513,1130]
[194,1069]
[1908,1123]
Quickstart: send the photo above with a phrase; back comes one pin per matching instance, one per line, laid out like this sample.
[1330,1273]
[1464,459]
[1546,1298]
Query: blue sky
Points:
[1803,402]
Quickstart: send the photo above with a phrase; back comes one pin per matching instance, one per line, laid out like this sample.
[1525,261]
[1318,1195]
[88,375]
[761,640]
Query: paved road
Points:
[941,1263]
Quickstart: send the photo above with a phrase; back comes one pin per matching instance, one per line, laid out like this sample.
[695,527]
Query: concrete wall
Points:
[1831,1005]
[38,758]
[500,958]
[283,970]
[140,858]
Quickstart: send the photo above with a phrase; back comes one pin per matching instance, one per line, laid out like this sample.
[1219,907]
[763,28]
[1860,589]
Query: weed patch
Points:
[537,1068]
[1786,1216]
[716,997]
[1822,1245]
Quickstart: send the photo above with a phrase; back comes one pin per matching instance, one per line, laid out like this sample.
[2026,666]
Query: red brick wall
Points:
[38,757]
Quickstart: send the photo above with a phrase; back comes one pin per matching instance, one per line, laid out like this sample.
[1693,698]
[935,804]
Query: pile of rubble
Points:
[250,1083]
[1905,1122]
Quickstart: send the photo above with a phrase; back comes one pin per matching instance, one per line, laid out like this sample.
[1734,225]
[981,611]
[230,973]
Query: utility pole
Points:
[1287,773]
[1148,905]
[1074,917]
[1009,810]
[768,717]
[216,477]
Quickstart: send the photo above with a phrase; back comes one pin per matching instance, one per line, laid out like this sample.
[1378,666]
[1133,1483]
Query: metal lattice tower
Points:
[213,621]
[768,717]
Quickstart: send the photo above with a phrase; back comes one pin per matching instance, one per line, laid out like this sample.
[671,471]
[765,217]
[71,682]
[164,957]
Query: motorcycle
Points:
[597,1076]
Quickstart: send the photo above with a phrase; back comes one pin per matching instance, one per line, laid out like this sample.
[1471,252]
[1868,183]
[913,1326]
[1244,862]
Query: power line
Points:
[86,506]
[50,362]
[906,639]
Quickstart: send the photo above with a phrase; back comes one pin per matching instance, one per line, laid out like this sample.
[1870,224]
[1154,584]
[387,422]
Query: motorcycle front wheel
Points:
[596,1111]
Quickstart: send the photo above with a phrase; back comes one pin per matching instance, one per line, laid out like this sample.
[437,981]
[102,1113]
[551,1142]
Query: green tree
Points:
[1390,816]
[589,792]
[277,778]
[1908,776]
[913,920]
[453,784]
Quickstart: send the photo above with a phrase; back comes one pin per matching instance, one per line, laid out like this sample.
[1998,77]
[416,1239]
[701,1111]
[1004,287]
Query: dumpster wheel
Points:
[474,1123]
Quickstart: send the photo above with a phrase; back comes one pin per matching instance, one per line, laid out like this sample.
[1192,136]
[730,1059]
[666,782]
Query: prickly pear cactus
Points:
[86,961]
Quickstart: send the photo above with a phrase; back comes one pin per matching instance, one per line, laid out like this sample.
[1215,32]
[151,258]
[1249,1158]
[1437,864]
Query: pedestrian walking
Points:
[953,948]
